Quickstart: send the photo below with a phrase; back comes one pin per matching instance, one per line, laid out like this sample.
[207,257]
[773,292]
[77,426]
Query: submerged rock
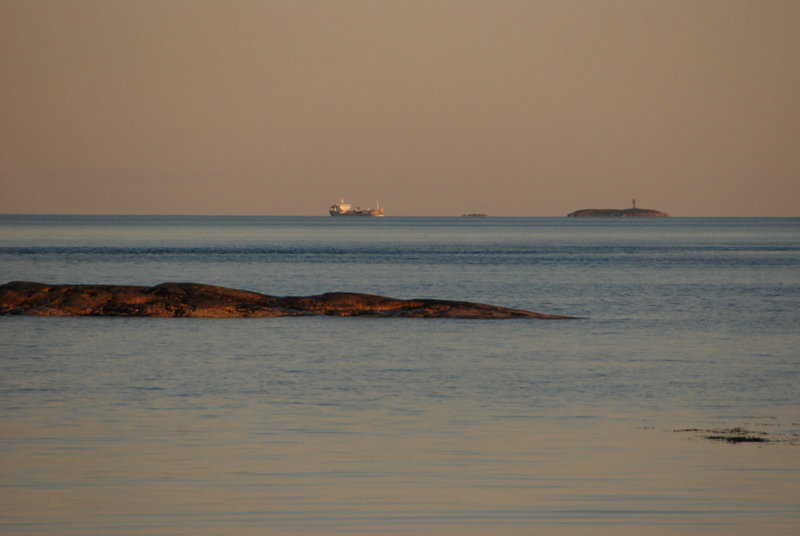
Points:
[208,301]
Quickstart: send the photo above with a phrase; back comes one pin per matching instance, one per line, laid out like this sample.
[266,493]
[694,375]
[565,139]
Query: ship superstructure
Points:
[346,209]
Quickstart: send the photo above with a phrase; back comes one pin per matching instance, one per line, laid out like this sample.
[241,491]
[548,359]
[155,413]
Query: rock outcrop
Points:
[208,301]
[617,213]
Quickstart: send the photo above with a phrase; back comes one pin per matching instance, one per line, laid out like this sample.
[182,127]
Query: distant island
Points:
[632,212]
[208,301]
[617,213]
[474,215]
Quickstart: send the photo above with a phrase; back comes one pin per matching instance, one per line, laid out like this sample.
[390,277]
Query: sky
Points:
[430,107]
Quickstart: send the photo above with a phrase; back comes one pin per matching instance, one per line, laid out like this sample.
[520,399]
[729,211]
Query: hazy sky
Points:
[432,107]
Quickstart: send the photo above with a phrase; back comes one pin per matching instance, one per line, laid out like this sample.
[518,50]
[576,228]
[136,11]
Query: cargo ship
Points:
[346,209]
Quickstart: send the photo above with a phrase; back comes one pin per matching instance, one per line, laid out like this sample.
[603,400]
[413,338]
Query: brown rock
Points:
[208,301]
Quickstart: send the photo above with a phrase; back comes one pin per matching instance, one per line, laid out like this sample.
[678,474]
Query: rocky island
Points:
[208,301]
[617,213]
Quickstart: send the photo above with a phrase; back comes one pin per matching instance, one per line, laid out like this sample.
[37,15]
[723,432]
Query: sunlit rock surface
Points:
[208,301]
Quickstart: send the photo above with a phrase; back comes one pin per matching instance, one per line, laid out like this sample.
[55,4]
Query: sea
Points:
[671,406]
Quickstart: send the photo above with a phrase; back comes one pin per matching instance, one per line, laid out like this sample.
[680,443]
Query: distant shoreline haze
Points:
[255,215]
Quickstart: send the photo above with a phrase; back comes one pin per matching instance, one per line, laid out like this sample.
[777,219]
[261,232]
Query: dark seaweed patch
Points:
[732,435]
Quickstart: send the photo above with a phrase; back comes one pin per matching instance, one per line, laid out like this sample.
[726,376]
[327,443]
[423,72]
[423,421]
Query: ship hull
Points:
[359,213]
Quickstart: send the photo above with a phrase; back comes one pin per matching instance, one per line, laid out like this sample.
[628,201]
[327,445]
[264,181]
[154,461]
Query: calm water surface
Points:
[136,426]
